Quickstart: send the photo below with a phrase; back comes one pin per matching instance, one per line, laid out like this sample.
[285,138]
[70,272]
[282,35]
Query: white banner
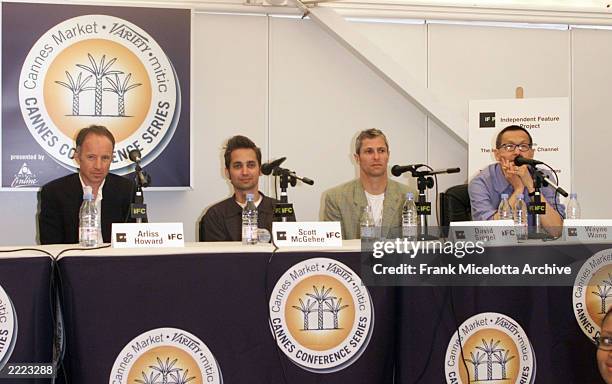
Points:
[546,119]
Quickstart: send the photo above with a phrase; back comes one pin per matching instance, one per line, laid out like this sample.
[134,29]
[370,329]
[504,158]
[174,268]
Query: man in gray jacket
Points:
[345,203]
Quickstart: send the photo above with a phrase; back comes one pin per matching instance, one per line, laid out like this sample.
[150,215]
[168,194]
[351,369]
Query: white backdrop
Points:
[298,93]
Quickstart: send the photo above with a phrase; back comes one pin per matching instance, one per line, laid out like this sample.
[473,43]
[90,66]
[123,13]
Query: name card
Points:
[147,235]
[587,230]
[488,231]
[307,234]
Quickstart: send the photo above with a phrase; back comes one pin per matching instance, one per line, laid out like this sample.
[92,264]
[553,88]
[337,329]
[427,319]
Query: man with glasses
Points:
[504,177]
[604,348]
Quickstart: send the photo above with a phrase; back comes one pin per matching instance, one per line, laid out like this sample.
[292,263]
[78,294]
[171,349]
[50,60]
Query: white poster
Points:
[546,119]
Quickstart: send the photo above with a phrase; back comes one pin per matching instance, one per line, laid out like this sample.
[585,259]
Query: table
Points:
[220,293]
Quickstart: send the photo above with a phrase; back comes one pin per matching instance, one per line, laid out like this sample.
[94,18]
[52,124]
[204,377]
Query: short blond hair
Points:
[371,133]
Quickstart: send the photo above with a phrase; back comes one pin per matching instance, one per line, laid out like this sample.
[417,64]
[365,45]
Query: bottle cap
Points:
[573,195]
[250,197]
[504,196]
[520,196]
[409,195]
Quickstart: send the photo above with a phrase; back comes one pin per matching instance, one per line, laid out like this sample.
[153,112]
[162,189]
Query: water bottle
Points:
[505,210]
[89,220]
[249,221]
[520,217]
[367,224]
[573,208]
[409,218]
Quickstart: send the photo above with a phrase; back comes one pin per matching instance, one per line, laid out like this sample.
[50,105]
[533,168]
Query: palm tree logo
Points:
[326,303]
[306,309]
[489,349]
[100,71]
[121,89]
[493,355]
[604,292]
[503,359]
[475,361]
[165,369]
[335,308]
[76,87]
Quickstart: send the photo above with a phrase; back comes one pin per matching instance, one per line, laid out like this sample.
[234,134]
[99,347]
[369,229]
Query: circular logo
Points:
[8,327]
[321,315]
[592,293]
[103,70]
[166,355]
[494,348]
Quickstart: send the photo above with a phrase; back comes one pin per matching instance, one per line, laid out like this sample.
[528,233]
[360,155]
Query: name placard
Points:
[487,231]
[307,234]
[591,230]
[147,235]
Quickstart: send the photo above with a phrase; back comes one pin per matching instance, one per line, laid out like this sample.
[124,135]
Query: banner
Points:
[67,67]
[546,119]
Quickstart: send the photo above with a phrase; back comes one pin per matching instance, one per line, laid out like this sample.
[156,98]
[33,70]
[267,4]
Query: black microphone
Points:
[520,160]
[397,170]
[135,155]
[143,178]
[267,168]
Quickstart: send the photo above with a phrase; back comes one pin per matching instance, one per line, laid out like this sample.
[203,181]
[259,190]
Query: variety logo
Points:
[494,348]
[321,315]
[166,355]
[8,327]
[592,294]
[99,69]
[24,178]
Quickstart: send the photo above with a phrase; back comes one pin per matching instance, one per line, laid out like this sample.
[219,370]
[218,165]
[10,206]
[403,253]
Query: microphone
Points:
[143,179]
[520,160]
[397,170]
[135,155]
[267,168]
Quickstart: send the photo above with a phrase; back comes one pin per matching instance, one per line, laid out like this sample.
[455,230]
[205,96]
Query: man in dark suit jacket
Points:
[60,199]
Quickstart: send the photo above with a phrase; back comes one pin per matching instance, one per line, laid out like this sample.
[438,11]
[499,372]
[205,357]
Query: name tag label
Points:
[487,231]
[587,230]
[147,235]
[307,234]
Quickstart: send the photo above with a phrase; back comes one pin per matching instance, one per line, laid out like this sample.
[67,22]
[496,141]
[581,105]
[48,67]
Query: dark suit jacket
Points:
[60,200]
[223,221]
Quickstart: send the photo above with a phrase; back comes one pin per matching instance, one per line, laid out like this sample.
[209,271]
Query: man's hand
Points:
[512,173]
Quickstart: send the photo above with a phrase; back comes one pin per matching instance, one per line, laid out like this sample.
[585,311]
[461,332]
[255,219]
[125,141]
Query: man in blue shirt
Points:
[505,177]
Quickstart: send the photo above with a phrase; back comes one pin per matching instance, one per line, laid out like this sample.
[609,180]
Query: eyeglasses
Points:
[604,343]
[512,147]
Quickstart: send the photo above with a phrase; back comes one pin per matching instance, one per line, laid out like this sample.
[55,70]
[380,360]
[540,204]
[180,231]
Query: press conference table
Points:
[220,291]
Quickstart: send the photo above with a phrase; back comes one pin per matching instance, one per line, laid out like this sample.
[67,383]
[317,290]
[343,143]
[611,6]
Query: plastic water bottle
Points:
[409,218]
[249,221]
[520,217]
[505,210]
[573,208]
[89,220]
[367,224]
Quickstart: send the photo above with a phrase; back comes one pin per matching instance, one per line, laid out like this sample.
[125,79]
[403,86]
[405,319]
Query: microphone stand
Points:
[541,180]
[138,209]
[284,211]
[424,181]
